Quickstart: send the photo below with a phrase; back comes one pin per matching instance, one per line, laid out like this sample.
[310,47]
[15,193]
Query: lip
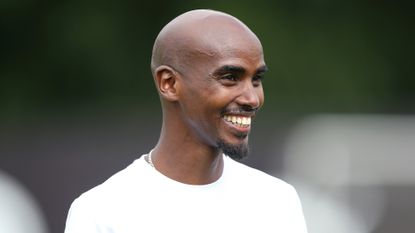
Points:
[238,129]
[239,113]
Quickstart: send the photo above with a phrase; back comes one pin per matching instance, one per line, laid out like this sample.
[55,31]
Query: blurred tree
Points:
[324,56]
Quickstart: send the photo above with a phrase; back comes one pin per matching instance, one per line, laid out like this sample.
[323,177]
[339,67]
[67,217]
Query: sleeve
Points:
[81,219]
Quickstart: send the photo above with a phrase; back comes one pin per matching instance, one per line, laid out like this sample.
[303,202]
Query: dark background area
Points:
[78,101]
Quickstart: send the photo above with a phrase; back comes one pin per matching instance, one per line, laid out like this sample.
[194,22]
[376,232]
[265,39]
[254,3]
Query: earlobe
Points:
[167,82]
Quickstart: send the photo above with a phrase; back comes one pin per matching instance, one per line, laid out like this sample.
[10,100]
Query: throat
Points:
[192,168]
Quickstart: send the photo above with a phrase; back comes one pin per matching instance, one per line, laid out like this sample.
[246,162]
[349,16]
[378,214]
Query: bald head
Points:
[208,67]
[199,34]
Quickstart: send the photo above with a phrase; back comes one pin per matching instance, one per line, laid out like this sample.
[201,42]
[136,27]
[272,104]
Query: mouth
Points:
[238,121]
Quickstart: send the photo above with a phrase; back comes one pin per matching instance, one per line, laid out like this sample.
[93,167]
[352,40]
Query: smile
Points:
[240,121]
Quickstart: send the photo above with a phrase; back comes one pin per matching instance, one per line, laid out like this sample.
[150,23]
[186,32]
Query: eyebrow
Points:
[262,69]
[229,69]
[238,69]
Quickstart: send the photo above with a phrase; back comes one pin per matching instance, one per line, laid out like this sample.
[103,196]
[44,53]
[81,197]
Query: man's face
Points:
[221,95]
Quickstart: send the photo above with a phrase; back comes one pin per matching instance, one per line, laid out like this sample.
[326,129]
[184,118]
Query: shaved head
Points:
[207,66]
[197,34]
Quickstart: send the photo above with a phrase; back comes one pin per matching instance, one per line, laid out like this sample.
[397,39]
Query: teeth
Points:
[244,121]
[238,120]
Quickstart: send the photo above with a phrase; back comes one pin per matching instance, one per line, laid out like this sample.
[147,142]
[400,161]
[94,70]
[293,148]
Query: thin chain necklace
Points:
[149,160]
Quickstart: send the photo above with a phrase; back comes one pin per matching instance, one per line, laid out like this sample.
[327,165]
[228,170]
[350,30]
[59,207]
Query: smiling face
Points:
[222,90]
[212,65]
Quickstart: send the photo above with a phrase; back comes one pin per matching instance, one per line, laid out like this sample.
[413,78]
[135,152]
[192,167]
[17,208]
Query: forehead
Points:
[241,53]
[219,40]
[232,50]
[221,34]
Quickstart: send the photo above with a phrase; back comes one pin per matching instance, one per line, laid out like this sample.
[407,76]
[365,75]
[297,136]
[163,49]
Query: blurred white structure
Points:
[329,157]
[19,211]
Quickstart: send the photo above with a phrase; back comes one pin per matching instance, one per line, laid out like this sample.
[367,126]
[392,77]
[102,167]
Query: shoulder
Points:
[254,178]
[119,183]
[110,201]
[267,193]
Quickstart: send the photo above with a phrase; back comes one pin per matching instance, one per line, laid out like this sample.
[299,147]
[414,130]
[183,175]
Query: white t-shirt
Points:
[141,199]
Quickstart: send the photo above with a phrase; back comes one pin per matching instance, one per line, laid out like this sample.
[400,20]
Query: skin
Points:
[205,64]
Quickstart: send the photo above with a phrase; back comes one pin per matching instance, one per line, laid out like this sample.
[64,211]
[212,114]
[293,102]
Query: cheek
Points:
[261,96]
[198,106]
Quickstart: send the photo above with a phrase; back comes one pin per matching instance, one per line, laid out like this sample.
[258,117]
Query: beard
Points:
[235,151]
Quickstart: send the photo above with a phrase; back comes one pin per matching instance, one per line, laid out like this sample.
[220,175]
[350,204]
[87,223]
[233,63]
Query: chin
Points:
[235,151]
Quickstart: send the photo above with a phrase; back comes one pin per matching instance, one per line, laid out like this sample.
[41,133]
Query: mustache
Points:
[245,109]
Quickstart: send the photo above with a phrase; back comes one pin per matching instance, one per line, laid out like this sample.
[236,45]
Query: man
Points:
[207,67]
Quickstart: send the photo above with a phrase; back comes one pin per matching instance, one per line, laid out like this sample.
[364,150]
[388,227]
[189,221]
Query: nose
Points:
[251,96]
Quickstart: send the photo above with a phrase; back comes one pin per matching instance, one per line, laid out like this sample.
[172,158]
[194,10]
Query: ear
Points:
[167,82]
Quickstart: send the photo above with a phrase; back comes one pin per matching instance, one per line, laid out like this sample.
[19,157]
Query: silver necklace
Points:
[149,160]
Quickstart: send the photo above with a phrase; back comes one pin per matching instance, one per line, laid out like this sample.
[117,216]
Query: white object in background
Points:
[19,211]
[330,157]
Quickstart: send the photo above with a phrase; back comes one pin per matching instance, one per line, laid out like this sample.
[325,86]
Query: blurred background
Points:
[77,104]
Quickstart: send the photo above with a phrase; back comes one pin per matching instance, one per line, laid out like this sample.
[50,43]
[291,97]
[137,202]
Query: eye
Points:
[229,77]
[257,80]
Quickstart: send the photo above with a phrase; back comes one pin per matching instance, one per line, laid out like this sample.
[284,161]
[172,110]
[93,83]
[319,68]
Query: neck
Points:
[182,159]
